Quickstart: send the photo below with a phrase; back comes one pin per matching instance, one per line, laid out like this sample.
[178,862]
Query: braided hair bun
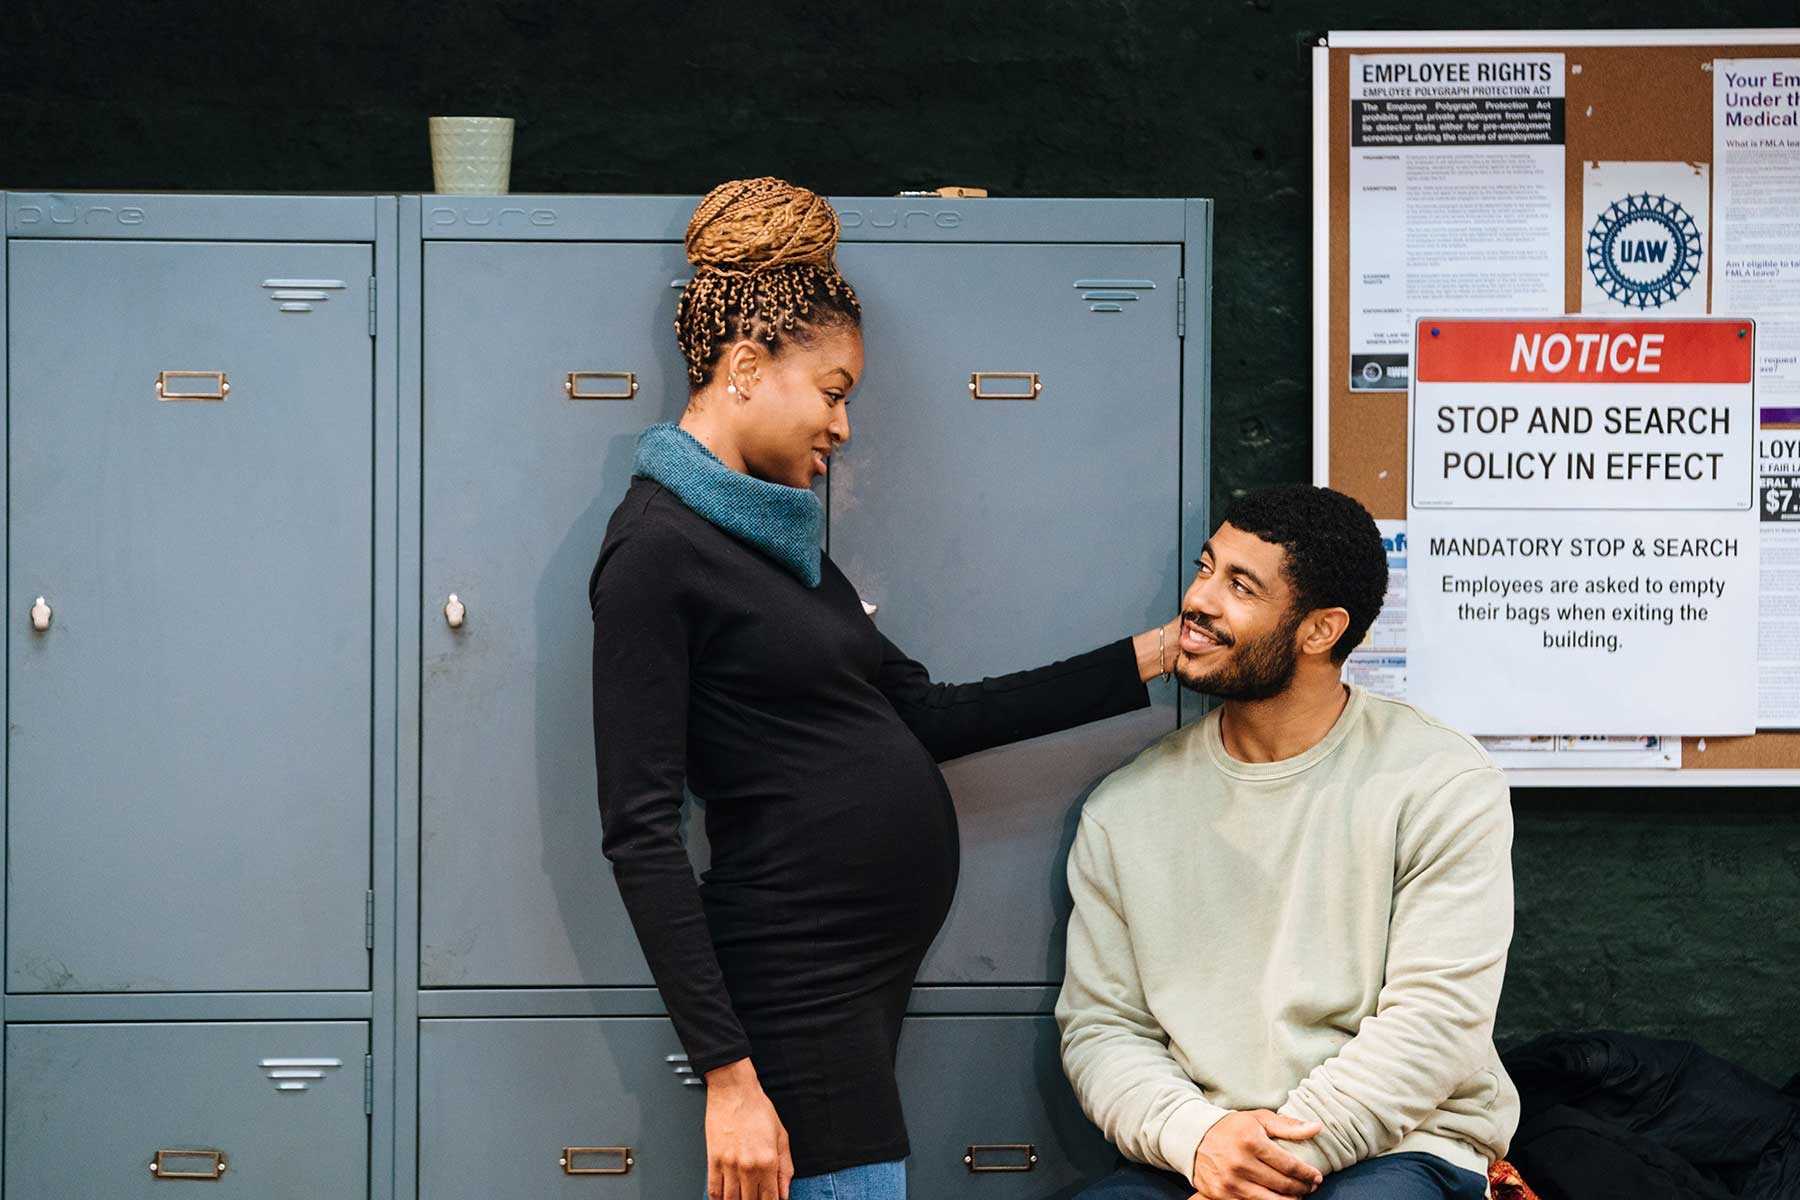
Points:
[763,268]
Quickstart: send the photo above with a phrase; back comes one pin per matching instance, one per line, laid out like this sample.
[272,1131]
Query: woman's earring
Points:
[731,388]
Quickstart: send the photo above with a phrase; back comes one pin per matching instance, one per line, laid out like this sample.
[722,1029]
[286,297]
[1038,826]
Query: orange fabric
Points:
[1504,1183]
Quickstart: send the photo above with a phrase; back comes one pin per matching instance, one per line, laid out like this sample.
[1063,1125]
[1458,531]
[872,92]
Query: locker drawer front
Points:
[992,1089]
[90,1108]
[502,1100]
[190,740]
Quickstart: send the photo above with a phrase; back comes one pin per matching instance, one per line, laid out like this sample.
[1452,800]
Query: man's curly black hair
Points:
[1334,558]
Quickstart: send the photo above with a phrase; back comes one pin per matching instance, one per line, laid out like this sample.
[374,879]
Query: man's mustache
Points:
[1213,631]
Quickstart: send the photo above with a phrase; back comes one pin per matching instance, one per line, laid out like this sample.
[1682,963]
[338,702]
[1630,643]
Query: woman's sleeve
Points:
[644,623]
[953,719]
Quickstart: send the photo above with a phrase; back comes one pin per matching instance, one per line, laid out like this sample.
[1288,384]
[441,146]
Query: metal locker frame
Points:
[211,217]
[1188,223]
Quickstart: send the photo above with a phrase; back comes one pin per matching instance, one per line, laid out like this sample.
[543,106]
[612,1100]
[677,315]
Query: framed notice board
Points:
[1647,174]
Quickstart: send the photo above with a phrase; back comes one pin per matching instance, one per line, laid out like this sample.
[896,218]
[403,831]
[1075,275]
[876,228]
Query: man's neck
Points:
[1283,726]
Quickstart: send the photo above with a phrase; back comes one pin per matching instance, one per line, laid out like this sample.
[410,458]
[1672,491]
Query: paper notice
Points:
[1756,274]
[1456,197]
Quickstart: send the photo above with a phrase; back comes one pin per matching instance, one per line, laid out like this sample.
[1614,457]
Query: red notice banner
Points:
[1575,351]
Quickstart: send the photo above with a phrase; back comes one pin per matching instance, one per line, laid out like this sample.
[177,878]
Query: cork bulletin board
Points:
[1633,97]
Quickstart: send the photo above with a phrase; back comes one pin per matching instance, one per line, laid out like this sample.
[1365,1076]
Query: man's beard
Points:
[1256,670]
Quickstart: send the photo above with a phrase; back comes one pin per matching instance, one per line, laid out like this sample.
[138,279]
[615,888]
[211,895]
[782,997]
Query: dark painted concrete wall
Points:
[1674,913]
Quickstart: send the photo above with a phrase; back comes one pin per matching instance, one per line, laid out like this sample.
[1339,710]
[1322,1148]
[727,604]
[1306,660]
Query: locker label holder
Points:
[981,385]
[573,385]
[221,386]
[160,1165]
[1027,1158]
[622,1167]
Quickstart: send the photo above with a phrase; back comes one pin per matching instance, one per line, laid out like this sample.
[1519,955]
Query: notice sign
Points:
[1583,525]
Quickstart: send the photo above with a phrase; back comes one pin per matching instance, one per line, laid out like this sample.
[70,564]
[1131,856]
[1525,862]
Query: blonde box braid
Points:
[762,254]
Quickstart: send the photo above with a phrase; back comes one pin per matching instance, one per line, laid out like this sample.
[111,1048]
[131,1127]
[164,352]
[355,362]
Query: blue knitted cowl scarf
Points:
[786,523]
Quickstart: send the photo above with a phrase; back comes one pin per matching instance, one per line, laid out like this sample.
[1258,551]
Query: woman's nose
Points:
[840,426]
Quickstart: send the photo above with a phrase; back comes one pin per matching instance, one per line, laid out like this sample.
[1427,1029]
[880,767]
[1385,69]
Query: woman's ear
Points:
[743,365]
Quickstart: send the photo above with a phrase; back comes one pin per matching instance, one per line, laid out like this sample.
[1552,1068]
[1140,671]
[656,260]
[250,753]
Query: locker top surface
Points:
[196,216]
[223,216]
[863,218]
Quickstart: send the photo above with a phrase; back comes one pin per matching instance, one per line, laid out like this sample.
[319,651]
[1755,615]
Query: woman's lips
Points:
[819,462]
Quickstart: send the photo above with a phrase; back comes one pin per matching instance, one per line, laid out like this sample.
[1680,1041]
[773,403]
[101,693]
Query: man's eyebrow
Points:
[1234,569]
[1247,573]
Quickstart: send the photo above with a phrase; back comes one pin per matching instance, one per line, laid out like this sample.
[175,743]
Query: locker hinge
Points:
[371,306]
[369,920]
[368,1084]
[1181,306]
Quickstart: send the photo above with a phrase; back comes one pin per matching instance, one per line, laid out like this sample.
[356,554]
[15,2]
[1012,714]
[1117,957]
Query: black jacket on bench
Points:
[1614,1116]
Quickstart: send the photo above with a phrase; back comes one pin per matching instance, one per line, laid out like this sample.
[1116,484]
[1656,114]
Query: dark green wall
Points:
[1669,912]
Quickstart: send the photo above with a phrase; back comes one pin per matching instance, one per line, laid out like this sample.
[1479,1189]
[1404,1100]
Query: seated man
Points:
[1291,917]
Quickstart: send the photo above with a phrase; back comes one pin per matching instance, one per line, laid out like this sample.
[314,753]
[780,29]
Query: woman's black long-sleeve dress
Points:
[814,742]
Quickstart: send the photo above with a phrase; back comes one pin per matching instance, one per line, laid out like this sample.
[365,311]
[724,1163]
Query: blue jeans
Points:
[1407,1176]
[875,1181]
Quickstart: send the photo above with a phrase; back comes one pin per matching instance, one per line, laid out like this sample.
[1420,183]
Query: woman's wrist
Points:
[733,1076]
[1155,650]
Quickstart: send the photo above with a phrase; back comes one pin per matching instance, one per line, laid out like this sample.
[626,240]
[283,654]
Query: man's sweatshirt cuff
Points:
[1181,1134]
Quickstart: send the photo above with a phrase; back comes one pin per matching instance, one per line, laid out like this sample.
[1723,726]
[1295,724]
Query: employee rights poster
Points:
[1582,526]
[1456,197]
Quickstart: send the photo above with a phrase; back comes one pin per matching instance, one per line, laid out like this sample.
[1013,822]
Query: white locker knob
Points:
[40,615]
[453,612]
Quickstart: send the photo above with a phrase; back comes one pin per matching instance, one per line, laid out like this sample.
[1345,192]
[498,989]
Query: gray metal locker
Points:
[989,1113]
[940,497]
[542,363]
[561,1107]
[191,493]
[274,1111]
[996,534]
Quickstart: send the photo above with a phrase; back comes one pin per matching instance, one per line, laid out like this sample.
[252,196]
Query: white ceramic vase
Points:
[471,154]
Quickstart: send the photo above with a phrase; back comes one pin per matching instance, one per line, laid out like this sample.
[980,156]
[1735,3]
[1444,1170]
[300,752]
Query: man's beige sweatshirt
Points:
[1324,936]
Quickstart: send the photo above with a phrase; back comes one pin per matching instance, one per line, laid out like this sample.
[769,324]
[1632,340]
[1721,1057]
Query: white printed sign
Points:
[1582,526]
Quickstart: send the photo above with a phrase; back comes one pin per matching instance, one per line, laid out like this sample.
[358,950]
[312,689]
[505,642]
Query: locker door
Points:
[1000,534]
[989,1113]
[89,1108]
[520,479]
[502,1100]
[189,803]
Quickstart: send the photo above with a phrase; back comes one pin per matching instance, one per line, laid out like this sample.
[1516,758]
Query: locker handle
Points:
[221,385]
[572,385]
[454,612]
[626,1161]
[160,1169]
[1027,1151]
[40,615]
[979,381]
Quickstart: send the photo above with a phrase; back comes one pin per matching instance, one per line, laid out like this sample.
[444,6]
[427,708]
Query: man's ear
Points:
[1321,628]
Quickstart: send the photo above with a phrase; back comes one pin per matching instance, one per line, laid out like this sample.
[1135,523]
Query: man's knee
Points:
[1402,1177]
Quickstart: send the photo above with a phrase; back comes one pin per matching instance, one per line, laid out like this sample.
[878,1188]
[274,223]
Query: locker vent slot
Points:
[291,1074]
[294,295]
[1111,295]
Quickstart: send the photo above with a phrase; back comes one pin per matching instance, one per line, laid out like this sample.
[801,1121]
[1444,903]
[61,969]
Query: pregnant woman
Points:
[732,657]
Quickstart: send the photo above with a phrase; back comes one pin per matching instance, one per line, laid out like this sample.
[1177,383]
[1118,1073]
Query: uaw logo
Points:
[1644,251]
